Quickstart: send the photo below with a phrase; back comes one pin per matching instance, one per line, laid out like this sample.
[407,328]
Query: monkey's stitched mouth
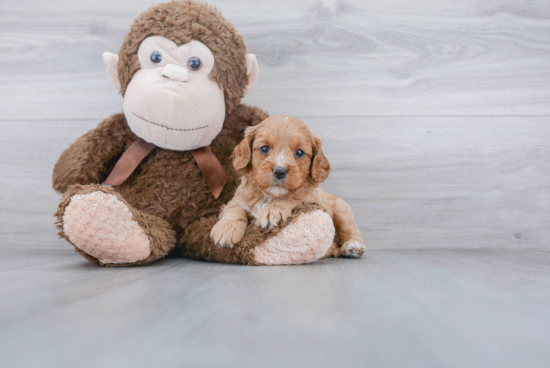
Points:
[164,126]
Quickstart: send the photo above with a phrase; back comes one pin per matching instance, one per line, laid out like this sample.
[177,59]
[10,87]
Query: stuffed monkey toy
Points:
[149,182]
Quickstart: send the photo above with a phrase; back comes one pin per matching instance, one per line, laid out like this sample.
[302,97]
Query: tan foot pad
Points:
[102,226]
[305,240]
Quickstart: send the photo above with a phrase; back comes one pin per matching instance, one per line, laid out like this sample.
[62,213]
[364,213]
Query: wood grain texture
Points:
[413,183]
[323,58]
[391,309]
[436,119]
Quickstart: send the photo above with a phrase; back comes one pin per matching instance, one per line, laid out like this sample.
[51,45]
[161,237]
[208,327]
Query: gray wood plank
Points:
[432,182]
[435,118]
[323,58]
[390,309]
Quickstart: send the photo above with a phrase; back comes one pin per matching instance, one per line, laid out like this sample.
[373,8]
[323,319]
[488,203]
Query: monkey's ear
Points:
[252,70]
[111,63]
[320,167]
[242,154]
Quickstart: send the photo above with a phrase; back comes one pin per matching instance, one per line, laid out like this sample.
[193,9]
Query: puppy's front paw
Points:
[353,249]
[228,233]
[272,216]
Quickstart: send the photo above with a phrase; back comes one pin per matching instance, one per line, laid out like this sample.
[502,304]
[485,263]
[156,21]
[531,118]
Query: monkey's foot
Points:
[352,249]
[107,231]
[306,239]
[102,226]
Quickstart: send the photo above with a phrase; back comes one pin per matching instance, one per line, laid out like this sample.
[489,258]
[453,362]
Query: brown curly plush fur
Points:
[182,22]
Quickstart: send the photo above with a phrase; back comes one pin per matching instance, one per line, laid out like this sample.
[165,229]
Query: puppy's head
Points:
[281,156]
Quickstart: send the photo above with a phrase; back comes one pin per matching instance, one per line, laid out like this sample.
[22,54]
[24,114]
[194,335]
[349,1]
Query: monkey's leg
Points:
[305,237]
[107,231]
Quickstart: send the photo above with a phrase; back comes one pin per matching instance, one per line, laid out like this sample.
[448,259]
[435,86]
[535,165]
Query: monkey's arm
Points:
[90,159]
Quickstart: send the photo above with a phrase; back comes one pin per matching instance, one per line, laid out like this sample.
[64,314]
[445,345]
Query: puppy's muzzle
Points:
[280,173]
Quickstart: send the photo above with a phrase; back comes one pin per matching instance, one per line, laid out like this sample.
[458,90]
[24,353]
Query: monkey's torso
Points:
[167,184]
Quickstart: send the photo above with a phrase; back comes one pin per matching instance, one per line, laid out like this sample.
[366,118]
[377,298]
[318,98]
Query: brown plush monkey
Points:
[182,70]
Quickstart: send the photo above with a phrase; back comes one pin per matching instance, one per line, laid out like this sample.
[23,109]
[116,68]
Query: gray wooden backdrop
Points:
[435,113]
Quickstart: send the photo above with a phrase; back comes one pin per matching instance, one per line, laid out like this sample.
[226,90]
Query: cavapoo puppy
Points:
[282,164]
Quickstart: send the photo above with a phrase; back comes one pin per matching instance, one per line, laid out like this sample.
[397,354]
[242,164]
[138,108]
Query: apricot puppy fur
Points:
[282,164]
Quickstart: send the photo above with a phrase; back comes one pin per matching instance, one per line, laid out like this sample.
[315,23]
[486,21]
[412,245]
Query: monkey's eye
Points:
[299,153]
[156,57]
[194,63]
[265,150]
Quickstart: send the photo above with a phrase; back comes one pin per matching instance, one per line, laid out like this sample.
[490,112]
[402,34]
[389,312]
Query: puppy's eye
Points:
[156,57]
[265,150]
[299,153]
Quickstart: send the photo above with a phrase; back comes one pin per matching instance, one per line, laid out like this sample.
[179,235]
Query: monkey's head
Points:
[181,69]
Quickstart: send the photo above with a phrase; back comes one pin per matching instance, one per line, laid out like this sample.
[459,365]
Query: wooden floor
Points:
[436,119]
[406,308]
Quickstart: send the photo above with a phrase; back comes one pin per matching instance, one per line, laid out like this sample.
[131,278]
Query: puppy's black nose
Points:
[280,173]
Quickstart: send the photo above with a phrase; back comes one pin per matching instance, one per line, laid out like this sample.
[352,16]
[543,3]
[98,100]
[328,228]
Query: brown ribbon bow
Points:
[208,163]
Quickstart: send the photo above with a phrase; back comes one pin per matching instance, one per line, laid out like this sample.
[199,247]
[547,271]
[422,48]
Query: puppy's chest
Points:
[255,208]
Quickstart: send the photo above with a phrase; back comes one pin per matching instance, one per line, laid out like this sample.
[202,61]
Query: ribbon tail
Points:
[128,162]
[211,169]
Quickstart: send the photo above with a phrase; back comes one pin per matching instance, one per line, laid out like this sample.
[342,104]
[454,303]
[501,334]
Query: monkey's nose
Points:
[175,72]
[280,173]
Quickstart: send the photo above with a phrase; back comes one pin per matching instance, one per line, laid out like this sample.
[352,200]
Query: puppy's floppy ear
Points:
[320,167]
[242,154]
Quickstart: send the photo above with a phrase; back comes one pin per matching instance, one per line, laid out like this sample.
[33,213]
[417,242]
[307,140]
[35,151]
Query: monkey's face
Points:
[171,101]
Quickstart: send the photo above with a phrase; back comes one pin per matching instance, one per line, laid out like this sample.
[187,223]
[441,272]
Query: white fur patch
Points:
[247,209]
[277,191]
[258,207]
[264,203]
[281,158]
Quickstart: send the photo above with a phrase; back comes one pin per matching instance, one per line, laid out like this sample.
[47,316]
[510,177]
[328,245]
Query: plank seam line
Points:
[321,116]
